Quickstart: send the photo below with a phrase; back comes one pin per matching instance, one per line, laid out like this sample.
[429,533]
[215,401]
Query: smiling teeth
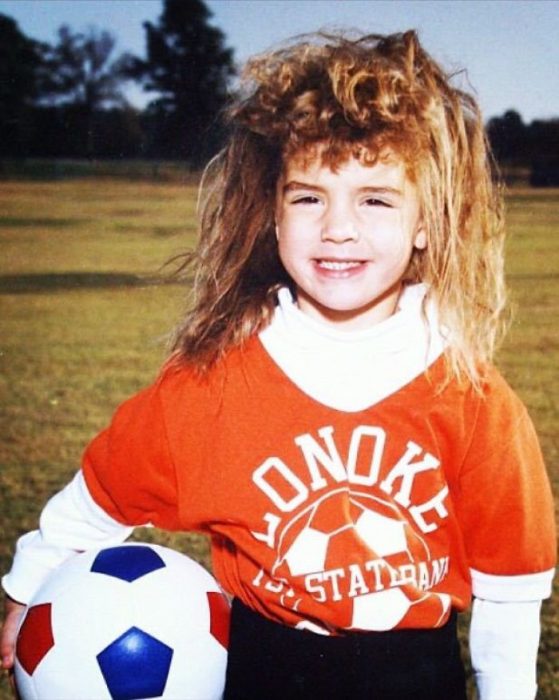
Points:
[338,265]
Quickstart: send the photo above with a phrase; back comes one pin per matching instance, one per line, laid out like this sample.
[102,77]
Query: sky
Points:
[508,47]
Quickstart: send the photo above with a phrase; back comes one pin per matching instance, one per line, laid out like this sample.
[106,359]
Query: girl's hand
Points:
[12,615]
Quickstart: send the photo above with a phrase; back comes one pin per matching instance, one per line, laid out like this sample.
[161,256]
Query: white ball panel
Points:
[52,678]
[185,671]
[25,683]
[86,619]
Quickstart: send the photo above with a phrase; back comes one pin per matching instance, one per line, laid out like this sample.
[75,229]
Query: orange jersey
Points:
[326,519]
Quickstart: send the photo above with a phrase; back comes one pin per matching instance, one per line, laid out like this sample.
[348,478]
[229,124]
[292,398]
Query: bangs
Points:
[334,152]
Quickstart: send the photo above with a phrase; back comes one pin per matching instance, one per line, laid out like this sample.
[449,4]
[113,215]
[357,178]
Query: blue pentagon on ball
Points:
[127,562]
[135,666]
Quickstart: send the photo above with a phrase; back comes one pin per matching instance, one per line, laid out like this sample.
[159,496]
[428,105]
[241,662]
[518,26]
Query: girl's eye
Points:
[374,202]
[305,199]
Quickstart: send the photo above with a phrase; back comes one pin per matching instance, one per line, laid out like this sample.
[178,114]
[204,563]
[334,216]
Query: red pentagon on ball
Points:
[35,637]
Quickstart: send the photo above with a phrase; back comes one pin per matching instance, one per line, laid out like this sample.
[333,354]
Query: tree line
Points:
[520,145]
[67,99]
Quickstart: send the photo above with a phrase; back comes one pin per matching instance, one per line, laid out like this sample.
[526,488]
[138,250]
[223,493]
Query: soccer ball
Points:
[124,623]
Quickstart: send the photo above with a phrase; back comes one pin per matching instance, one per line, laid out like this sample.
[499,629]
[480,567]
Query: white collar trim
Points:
[353,370]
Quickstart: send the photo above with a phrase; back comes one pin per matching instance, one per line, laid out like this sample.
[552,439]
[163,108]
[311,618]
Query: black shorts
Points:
[269,661]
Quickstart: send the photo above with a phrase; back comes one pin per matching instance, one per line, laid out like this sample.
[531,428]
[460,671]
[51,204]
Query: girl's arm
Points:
[505,508]
[12,614]
[504,640]
[70,522]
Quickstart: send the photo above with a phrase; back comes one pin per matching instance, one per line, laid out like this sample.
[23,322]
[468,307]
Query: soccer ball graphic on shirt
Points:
[343,528]
[127,622]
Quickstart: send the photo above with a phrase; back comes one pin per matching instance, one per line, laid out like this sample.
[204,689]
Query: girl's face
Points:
[346,237]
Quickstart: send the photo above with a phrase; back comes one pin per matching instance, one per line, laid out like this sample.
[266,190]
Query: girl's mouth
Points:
[339,265]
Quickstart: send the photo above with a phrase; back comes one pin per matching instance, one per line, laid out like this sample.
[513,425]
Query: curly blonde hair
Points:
[355,96]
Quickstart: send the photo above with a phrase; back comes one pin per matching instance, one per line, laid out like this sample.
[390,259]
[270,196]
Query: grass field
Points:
[81,329]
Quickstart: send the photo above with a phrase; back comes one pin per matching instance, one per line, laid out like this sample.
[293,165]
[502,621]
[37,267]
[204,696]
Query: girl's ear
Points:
[420,240]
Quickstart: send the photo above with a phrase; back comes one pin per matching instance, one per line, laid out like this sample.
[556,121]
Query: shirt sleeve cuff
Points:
[70,522]
[505,589]
[32,564]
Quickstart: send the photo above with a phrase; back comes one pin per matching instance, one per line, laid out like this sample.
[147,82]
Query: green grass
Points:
[530,360]
[83,326]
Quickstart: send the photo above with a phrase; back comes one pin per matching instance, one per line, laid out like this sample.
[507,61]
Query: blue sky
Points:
[509,47]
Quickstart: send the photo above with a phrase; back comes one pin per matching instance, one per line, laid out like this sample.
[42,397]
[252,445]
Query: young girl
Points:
[330,415]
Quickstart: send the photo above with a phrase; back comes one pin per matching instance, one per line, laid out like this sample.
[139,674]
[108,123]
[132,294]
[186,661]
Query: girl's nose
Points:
[339,228]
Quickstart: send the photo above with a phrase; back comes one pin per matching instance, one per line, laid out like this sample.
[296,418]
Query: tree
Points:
[544,140]
[80,77]
[534,146]
[509,138]
[189,67]
[20,60]
[79,70]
